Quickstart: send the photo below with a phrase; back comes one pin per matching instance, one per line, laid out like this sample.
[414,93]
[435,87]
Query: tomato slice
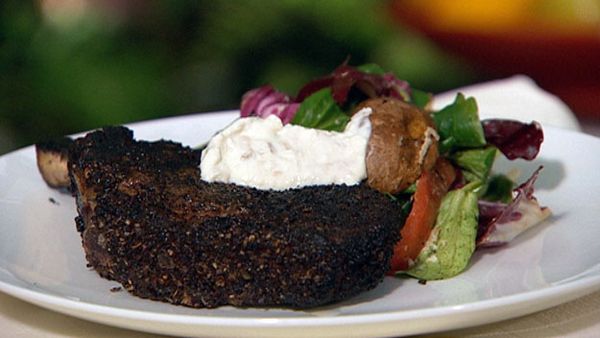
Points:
[431,188]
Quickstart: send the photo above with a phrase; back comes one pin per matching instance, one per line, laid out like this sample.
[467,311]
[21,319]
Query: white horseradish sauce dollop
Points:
[264,154]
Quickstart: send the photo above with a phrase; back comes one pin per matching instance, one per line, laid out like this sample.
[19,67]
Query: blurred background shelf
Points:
[557,43]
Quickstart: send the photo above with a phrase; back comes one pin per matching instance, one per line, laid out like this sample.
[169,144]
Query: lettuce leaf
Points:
[420,98]
[499,189]
[499,223]
[370,80]
[371,68]
[452,240]
[458,125]
[514,139]
[265,101]
[476,163]
[321,112]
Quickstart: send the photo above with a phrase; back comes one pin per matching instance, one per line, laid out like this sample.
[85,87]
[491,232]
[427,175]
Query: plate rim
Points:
[555,293]
[587,283]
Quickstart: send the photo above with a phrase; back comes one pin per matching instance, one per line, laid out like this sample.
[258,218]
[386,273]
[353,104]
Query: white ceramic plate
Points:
[41,259]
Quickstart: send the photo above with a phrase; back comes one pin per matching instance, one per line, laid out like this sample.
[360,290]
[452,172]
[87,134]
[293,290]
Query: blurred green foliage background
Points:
[73,65]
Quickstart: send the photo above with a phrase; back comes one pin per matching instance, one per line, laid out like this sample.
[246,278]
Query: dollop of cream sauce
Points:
[265,154]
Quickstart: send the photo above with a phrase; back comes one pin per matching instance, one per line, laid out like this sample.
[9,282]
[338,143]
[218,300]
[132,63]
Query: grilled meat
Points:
[148,221]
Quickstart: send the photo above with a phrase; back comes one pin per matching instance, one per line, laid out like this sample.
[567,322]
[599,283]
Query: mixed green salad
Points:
[449,216]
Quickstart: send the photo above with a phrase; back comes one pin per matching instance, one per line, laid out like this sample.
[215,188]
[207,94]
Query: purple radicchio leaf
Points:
[345,77]
[514,139]
[499,223]
[265,101]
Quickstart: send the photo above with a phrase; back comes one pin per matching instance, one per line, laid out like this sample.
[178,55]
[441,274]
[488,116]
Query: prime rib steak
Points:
[149,222]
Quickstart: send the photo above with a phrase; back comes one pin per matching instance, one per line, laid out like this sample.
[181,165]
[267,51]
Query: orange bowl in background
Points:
[555,42]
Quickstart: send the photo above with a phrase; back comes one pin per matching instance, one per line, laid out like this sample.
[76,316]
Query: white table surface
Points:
[578,318]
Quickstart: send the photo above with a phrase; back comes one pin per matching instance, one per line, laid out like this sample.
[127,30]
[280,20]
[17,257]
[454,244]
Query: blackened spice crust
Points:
[148,221]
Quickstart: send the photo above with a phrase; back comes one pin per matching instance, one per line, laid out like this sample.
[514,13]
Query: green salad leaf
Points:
[458,125]
[500,189]
[371,68]
[417,97]
[420,98]
[476,165]
[320,111]
[452,240]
